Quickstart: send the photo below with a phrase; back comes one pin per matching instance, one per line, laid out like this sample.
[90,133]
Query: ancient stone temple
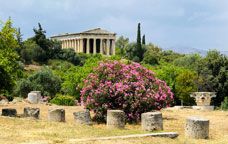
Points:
[91,42]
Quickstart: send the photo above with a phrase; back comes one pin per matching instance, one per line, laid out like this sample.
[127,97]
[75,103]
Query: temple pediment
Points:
[97,31]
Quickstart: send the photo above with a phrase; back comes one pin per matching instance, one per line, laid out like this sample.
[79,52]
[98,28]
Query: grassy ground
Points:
[24,130]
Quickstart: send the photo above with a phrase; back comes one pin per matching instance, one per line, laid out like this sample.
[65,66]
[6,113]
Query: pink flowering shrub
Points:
[128,87]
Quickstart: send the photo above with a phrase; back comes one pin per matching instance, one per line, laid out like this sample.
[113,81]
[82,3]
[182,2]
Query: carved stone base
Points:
[205,108]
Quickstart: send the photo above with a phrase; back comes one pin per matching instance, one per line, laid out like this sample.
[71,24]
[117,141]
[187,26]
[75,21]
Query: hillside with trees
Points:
[62,71]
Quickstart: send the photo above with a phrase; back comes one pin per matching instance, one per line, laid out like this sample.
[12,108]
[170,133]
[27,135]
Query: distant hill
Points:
[190,50]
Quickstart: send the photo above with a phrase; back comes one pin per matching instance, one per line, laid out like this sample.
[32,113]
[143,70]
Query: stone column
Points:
[32,112]
[77,49]
[113,47]
[62,44]
[108,47]
[87,46]
[197,128]
[151,121]
[115,119]
[75,45]
[71,43]
[65,43]
[94,46]
[68,46]
[101,46]
[56,114]
[83,117]
[81,45]
[68,43]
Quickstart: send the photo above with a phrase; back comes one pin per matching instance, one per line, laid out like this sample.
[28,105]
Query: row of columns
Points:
[106,46]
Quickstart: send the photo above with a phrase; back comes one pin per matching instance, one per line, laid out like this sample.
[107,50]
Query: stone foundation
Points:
[56,115]
[115,119]
[32,112]
[204,108]
[197,128]
[82,117]
[9,112]
[152,121]
[34,97]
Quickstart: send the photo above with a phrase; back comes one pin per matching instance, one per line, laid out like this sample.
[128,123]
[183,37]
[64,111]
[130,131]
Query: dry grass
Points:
[23,130]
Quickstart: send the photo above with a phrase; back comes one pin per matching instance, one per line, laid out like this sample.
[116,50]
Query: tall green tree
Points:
[139,43]
[47,49]
[135,51]
[9,59]
[144,40]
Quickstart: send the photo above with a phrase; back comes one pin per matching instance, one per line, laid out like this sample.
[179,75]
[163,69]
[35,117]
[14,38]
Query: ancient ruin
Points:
[203,100]
[83,117]
[34,97]
[197,128]
[91,42]
[115,119]
[152,121]
[56,115]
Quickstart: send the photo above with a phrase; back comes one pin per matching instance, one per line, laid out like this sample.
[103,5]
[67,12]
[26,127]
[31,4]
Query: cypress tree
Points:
[144,40]
[139,44]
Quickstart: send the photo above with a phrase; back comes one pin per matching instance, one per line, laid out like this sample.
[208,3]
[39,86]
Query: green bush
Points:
[23,87]
[44,81]
[224,104]
[63,100]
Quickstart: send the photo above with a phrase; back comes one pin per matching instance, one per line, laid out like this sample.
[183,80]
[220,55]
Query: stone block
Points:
[56,115]
[203,108]
[82,117]
[9,112]
[115,119]
[197,128]
[32,112]
[151,121]
[34,97]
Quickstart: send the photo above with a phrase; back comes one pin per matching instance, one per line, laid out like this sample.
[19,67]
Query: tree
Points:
[121,44]
[169,56]
[47,49]
[152,54]
[9,59]
[217,67]
[144,40]
[180,80]
[135,51]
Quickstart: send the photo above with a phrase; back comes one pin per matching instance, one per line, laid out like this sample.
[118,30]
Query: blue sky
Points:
[201,24]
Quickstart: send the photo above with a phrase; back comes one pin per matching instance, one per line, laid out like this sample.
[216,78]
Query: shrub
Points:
[224,104]
[129,87]
[44,81]
[69,55]
[63,100]
[74,76]
[23,87]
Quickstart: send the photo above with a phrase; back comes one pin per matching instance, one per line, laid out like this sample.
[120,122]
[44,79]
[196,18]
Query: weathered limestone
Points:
[197,128]
[83,117]
[32,112]
[203,100]
[80,42]
[163,134]
[152,121]
[34,97]
[9,112]
[56,115]
[115,119]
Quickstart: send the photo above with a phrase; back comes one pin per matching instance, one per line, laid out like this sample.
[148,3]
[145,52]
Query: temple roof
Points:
[95,31]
